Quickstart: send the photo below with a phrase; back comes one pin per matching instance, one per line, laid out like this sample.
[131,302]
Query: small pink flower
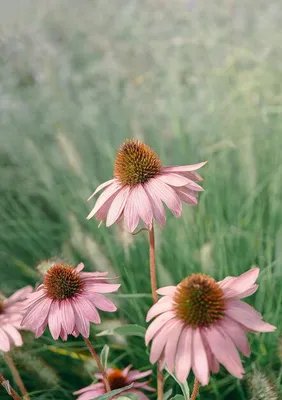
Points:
[201,323]
[117,380]
[67,301]
[11,312]
[140,187]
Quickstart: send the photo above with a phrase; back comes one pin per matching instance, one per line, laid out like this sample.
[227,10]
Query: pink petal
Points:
[4,341]
[237,335]
[167,195]
[100,187]
[117,206]
[160,340]
[171,346]
[95,386]
[20,294]
[131,216]
[79,267]
[106,195]
[156,204]
[183,359]
[102,287]
[199,359]
[167,290]
[247,316]
[40,330]
[102,302]
[126,370]
[54,320]
[82,324]
[14,334]
[213,363]
[187,198]
[157,324]
[159,308]
[93,275]
[37,313]
[193,176]
[173,179]
[90,313]
[143,205]
[134,375]
[225,351]
[67,316]
[92,394]
[236,286]
[183,168]
[248,292]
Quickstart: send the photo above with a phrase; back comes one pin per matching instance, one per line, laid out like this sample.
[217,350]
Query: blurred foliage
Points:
[196,80]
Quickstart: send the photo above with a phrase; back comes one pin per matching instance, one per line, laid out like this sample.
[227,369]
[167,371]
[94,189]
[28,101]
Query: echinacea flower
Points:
[67,301]
[11,313]
[200,323]
[117,379]
[140,187]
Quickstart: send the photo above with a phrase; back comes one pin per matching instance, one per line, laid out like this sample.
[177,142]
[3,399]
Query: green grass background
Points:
[196,80]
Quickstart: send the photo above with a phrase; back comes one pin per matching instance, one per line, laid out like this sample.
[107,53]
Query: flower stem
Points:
[153,277]
[16,375]
[9,389]
[98,362]
[195,389]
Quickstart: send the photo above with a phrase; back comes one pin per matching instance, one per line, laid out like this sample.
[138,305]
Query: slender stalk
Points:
[16,375]
[195,389]
[9,389]
[153,276]
[98,362]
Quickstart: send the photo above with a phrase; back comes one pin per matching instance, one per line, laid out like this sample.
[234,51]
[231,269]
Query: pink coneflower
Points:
[201,323]
[11,313]
[141,185]
[67,301]
[117,379]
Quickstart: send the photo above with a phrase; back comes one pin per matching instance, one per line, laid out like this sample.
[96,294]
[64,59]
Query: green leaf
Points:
[113,393]
[178,397]
[184,387]
[168,394]
[125,330]
[128,396]
[104,356]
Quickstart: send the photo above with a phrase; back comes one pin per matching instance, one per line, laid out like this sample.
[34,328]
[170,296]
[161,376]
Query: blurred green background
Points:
[196,80]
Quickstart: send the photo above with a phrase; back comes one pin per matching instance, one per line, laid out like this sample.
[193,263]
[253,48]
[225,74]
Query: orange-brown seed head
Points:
[116,379]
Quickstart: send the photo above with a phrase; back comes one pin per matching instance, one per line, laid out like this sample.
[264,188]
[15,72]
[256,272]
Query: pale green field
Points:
[195,81]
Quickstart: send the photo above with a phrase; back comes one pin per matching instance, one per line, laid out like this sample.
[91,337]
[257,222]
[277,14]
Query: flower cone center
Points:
[116,379]
[199,301]
[136,163]
[62,282]
[1,306]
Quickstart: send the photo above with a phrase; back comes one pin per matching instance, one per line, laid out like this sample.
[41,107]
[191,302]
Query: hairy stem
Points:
[98,362]
[195,389]
[9,389]
[16,375]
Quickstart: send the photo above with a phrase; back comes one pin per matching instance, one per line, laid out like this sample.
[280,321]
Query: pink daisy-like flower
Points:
[117,379]
[200,323]
[67,301]
[141,185]
[11,313]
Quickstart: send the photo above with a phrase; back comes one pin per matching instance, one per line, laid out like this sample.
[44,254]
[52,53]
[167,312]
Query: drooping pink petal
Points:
[131,216]
[41,329]
[157,324]
[14,334]
[143,205]
[171,346]
[88,310]
[67,316]
[101,302]
[248,292]
[225,351]
[193,176]
[173,179]
[213,363]
[4,341]
[82,324]
[117,206]
[95,386]
[156,204]
[183,360]
[187,197]
[54,320]
[247,316]
[199,359]
[100,187]
[106,195]
[37,313]
[160,341]
[167,290]
[133,375]
[183,168]
[167,195]
[20,294]
[237,335]
[159,308]
[92,394]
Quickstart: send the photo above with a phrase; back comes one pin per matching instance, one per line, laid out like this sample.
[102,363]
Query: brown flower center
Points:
[199,301]
[62,282]
[1,306]
[116,379]
[136,163]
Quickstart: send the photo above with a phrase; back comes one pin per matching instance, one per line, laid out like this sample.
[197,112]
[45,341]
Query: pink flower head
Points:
[200,323]
[117,380]
[67,301]
[140,187]
[11,312]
